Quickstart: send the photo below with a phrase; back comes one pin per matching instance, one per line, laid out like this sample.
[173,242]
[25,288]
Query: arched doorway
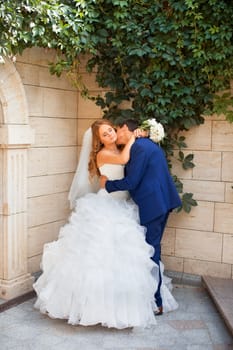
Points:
[15,138]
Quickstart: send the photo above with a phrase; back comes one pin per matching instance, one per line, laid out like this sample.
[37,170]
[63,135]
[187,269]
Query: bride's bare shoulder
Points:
[100,158]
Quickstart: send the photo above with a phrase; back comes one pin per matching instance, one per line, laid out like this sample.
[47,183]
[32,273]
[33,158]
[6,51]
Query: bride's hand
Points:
[102,181]
[140,133]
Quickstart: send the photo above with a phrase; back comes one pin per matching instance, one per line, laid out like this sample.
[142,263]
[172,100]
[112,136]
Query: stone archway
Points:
[16,137]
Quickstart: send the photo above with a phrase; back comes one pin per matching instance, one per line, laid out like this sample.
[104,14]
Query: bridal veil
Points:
[81,183]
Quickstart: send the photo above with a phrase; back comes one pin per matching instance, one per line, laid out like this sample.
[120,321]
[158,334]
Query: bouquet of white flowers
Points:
[156,130]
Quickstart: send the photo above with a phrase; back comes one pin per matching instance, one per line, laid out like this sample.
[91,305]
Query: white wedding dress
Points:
[99,270]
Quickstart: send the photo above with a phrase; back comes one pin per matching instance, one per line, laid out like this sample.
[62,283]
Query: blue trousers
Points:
[154,235]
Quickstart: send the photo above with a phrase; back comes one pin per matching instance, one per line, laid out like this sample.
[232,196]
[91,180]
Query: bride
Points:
[99,270]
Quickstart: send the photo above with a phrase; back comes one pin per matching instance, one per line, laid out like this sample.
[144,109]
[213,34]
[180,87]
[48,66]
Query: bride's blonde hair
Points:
[96,146]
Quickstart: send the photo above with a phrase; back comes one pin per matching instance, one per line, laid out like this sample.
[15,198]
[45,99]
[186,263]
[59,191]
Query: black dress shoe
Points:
[159,311]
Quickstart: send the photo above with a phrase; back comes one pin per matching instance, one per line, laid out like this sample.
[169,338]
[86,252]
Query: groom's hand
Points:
[141,133]
[102,181]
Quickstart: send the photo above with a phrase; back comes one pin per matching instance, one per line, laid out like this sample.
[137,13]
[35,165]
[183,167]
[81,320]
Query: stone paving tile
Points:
[187,324]
[196,325]
[199,347]
[140,348]
[219,333]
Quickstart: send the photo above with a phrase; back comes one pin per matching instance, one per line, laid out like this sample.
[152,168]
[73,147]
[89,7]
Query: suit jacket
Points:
[148,180]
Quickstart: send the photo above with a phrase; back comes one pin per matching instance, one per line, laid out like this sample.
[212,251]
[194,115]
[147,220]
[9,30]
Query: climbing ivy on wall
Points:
[172,59]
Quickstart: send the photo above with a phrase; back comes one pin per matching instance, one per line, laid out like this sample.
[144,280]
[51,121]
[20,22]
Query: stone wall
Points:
[202,242]
[42,120]
[59,116]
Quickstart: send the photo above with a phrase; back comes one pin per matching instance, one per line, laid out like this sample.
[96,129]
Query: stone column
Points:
[14,143]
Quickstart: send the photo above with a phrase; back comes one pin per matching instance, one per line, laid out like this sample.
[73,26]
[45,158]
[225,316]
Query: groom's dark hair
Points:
[132,124]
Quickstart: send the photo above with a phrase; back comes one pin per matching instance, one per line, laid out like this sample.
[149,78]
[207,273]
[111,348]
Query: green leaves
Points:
[186,160]
[55,24]
[186,198]
[223,104]
[187,202]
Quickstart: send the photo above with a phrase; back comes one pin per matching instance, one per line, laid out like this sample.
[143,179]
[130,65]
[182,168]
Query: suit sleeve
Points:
[135,171]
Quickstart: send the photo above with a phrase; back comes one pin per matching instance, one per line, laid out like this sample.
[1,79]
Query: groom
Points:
[150,184]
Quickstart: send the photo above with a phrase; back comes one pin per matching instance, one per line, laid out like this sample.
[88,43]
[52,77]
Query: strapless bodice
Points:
[114,172]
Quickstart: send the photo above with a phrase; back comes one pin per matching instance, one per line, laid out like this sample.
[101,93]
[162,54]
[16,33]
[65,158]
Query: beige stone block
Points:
[196,245]
[205,190]
[198,137]
[16,136]
[35,97]
[63,82]
[223,221]
[88,109]
[222,136]
[229,193]
[1,113]
[54,131]
[200,218]
[1,247]
[34,263]
[41,76]
[89,81]
[29,73]
[200,267]
[62,160]
[53,160]
[39,235]
[173,263]
[51,102]
[177,168]
[46,209]
[83,125]
[168,241]
[37,55]
[43,185]
[227,249]
[59,103]
[15,110]
[227,166]
[207,166]
[37,161]
[216,117]
[1,181]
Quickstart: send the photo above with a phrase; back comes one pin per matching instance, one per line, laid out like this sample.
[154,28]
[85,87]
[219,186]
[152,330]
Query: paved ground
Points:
[196,325]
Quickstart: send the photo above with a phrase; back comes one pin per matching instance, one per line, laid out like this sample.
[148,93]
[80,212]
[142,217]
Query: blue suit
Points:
[151,186]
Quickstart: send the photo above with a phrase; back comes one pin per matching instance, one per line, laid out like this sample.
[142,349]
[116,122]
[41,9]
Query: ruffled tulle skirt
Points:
[99,270]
